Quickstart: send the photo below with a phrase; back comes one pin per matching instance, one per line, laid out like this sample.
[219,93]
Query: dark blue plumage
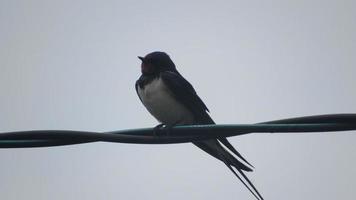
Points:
[172,100]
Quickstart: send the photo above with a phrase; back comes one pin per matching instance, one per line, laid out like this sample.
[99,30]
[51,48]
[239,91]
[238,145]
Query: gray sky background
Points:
[73,65]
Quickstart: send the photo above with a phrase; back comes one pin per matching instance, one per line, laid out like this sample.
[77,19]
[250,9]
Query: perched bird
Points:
[172,100]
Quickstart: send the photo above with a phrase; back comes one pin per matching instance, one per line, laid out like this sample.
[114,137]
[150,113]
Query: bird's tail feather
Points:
[214,148]
[227,144]
[248,184]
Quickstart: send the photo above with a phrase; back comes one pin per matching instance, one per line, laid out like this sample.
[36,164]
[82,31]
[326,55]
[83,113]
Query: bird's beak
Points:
[141,58]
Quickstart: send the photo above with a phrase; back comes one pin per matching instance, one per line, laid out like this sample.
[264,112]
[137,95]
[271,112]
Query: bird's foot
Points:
[158,130]
[162,130]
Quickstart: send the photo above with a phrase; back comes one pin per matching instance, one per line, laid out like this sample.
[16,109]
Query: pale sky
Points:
[72,65]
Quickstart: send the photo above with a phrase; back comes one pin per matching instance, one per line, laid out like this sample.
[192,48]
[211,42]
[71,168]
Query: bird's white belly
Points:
[162,105]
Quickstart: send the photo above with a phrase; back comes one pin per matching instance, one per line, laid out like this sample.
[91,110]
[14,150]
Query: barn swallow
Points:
[172,100]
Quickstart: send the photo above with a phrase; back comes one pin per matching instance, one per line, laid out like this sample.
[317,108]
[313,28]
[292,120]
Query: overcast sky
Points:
[73,64]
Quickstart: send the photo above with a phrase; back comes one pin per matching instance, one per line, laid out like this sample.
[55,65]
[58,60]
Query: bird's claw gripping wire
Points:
[162,130]
[158,130]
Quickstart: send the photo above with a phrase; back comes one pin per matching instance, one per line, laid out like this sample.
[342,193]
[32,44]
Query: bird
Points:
[172,100]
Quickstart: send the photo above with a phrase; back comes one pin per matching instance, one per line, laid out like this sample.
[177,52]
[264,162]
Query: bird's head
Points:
[156,62]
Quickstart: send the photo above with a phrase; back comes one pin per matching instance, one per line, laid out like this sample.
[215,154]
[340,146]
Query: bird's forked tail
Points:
[214,148]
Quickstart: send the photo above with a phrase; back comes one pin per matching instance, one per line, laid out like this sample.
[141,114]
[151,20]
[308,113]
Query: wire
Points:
[178,134]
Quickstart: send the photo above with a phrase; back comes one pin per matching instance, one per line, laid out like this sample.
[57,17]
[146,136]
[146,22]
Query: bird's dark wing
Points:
[184,92]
